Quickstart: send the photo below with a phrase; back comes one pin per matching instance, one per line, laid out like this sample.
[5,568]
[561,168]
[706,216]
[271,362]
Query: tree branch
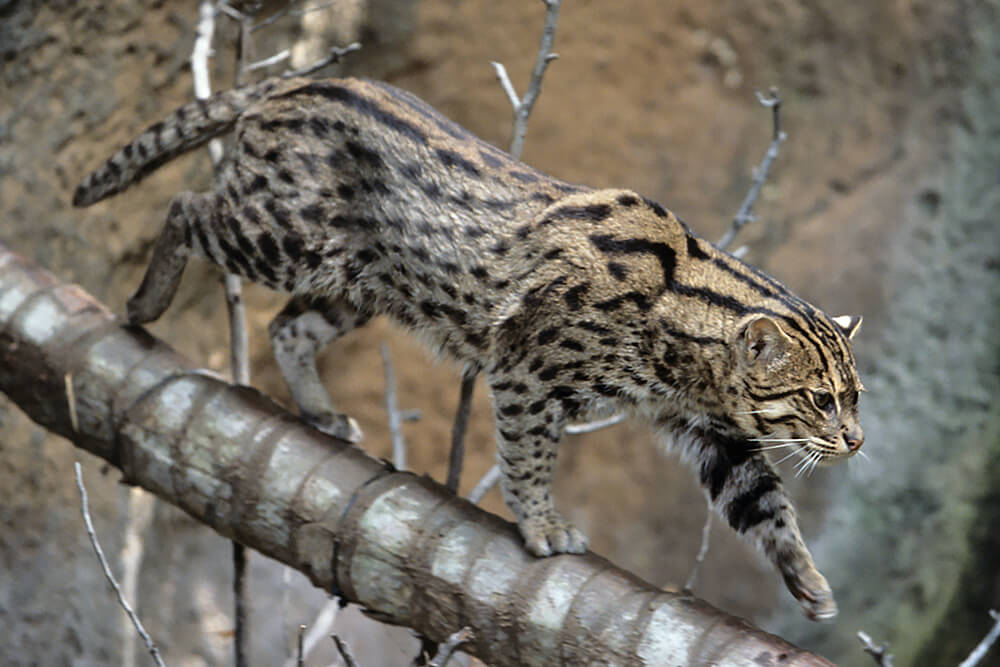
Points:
[400,545]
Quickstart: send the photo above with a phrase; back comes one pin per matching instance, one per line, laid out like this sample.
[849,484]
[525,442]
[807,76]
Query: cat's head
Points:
[796,386]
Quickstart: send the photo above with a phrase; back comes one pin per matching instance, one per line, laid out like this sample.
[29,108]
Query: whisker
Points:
[781,446]
[756,412]
[863,455]
[789,455]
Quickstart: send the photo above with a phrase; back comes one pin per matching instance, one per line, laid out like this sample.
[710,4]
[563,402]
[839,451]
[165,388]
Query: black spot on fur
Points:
[618,271]
[546,336]
[313,259]
[363,154]
[574,295]
[656,208]
[345,192]
[591,212]
[523,176]
[256,184]
[312,213]
[571,344]
[268,247]
[694,249]
[627,200]
[453,159]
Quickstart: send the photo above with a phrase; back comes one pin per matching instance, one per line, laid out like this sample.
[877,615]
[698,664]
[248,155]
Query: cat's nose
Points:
[854,439]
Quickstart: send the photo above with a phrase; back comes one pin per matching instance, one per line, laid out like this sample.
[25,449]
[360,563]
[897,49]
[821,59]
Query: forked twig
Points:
[85,510]
[880,654]
[745,213]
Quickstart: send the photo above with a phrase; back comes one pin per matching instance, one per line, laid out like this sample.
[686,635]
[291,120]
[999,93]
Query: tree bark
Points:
[402,546]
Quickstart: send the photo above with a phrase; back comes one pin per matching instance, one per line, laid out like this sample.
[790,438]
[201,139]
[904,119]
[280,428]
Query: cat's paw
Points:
[549,534]
[813,593]
[335,424]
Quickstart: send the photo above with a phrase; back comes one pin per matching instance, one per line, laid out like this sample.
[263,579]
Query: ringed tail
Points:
[189,127]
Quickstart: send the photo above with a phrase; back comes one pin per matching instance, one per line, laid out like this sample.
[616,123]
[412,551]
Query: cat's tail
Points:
[186,128]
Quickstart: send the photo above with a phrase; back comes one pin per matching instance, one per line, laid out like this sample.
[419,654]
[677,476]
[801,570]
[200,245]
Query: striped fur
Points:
[359,200]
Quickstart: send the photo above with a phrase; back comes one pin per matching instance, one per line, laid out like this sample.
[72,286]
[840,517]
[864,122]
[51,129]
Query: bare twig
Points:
[590,427]
[484,485]
[278,57]
[880,654]
[745,214]
[524,105]
[300,654]
[706,533]
[458,429]
[983,646]
[446,649]
[345,651]
[288,11]
[336,54]
[85,510]
[392,407]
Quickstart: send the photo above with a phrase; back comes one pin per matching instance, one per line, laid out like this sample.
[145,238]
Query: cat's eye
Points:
[823,400]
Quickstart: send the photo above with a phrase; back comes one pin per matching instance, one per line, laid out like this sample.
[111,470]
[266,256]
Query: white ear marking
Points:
[848,323]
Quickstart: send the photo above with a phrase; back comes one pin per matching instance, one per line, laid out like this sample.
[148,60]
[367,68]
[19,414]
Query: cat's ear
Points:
[849,324]
[764,341]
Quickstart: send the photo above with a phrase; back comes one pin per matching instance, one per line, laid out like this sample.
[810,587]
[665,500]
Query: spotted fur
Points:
[359,199]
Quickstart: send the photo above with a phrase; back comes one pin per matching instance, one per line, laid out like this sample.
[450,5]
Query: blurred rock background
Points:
[882,203]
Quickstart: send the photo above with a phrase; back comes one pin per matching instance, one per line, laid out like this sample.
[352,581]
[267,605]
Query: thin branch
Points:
[288,11]
[484,485]
[545,56]
[706,533]
[446,649]
[880,654]
[335,56]
[590,427]
[85,510]
[745,214]
[392,407]
[345,651]
[459,428]
[300,654]
[278,57]
[507,86]
[983,646]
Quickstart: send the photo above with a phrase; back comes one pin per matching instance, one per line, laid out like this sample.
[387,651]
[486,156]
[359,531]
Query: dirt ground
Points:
[654,96]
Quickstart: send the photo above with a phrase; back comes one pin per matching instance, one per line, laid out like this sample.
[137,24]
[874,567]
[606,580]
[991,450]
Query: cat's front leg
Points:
[746,491]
